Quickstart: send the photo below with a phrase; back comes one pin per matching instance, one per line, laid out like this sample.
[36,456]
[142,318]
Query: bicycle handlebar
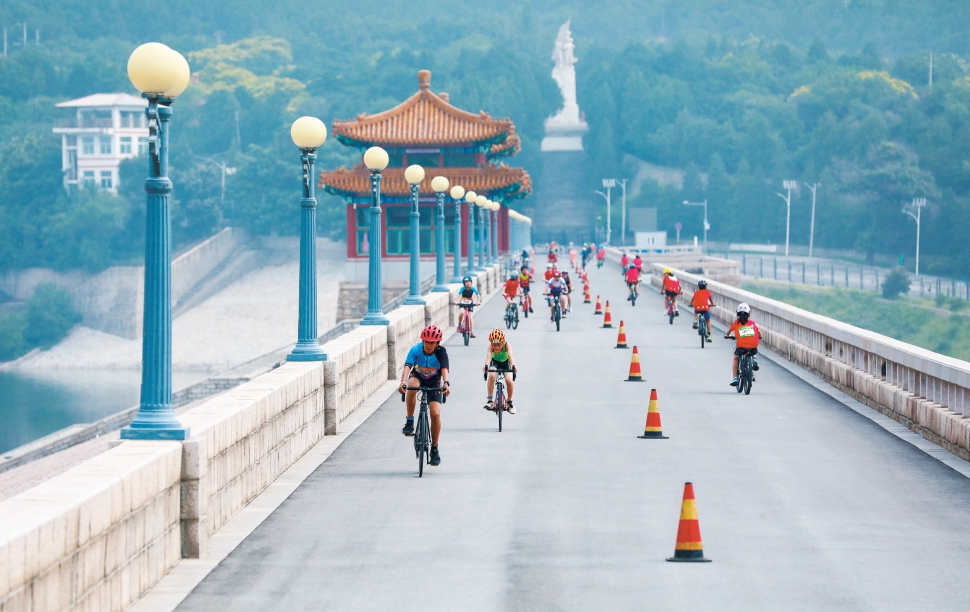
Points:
[496,370]
[444,398]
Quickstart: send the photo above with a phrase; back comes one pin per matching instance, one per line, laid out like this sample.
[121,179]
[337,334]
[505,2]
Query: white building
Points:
[106,129]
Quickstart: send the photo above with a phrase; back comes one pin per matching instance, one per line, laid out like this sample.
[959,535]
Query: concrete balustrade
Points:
[101,535]
[925,391]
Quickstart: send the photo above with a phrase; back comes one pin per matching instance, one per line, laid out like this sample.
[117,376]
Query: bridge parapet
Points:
[925,391]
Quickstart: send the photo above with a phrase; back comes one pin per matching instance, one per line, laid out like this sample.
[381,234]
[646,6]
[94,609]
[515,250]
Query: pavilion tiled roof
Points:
[489,180]
[425,119]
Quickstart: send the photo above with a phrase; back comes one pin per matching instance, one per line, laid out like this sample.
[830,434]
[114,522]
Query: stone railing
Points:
[927,392]
[102,534]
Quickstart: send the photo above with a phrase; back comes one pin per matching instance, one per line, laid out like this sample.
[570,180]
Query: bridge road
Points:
[803,503]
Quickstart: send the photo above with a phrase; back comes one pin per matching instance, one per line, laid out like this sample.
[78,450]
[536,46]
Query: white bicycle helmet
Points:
[742,307]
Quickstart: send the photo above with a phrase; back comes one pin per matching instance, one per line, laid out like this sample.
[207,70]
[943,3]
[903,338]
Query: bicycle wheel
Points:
[741,380]
[515,317]
[747,384]
[508,319]
[422,443]
[525,307]
[702,330]
[670,314]
[499,403]
[633,298]
[464,332]
[558,315]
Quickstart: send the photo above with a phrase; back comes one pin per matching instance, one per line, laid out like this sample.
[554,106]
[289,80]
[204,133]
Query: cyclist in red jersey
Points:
[702,301]
[748,335]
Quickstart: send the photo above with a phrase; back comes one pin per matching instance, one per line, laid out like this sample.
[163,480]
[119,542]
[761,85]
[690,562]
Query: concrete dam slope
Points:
[562,209]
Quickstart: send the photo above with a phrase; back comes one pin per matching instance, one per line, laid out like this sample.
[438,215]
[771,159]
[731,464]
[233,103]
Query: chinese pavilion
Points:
[466,148]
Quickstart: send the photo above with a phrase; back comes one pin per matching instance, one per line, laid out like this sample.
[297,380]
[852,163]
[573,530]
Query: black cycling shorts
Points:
[742,351]
[672,294]
[433,396]
[504,366]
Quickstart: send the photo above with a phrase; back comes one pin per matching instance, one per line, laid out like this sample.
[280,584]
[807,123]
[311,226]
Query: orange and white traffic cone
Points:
[621,337]
[652,429]
[607,318]
[689,547]
[598,309]
[635,375]
[585,293]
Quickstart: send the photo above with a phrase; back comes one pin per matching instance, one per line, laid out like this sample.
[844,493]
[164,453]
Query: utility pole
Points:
[789,185]
[917,205]
[623,215]
[811,233]
[608,184]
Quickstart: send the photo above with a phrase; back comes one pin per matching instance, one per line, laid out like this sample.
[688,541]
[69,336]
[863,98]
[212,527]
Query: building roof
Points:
[496,181]
[424,119]
[103,100]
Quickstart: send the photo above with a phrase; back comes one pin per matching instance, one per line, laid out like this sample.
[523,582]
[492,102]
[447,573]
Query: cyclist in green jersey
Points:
[499,358]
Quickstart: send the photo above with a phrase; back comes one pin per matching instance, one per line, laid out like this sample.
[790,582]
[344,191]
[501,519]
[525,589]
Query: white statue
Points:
[563,129]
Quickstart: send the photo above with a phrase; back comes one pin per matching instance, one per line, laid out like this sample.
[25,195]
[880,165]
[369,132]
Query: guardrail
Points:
[925,391]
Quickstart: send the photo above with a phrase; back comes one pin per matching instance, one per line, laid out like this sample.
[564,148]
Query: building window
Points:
[105,179]
[142,145]
[70,141]
[125,145]
[88,179]
[87,145]
[106,145]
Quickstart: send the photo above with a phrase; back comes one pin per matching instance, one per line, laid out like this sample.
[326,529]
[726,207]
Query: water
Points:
[35,404]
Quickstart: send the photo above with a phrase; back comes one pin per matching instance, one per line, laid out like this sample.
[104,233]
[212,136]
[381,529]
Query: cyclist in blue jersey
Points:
[556,287]
[426,366]
[468,296]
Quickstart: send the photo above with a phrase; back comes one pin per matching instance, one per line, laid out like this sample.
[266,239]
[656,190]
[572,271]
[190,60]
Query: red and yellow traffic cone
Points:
[585,293]
[689,547]
[635,375]
[652,428]
[598,309]
[621,337]
[607,319]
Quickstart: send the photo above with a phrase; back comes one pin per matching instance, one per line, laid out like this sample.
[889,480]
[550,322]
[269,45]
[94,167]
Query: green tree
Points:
[49,316]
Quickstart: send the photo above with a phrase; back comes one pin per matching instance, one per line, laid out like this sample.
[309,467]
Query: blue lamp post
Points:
[414,175]
[489,251]
[375,158]
[439,185]
[480,229]
[471,197]
[161,74]
[457,194]
[308,133]
[495,208]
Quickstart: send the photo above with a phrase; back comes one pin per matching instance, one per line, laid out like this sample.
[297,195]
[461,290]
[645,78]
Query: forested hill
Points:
[744,91]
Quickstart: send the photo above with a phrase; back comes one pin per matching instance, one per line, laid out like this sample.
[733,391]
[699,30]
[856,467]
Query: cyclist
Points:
[747,333]
[671,289]
[556,285]
[426,366]
[702,301]
[468,298]
[552,257]
[511,289]
[632,280]
[624,262]
[638,263]
[550,271]
[600,256]
[567,294]
[499,357]
[585,254]
[525,280]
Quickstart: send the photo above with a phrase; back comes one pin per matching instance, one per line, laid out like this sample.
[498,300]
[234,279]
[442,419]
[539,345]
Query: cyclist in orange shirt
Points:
[511,289]
[550,272]
[748,335]
[702,301]
[671,289]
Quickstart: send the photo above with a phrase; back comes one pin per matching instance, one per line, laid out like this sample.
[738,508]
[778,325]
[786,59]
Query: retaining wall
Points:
[101,535]
[927,392]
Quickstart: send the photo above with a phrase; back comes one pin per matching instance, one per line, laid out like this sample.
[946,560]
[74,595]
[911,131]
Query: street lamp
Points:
[789,185]
[440,185]
[495,208]
[308,133]
[375,158]
[471,197]
[622,209]
[706,224]
[811,232]
[414,175]
[457,194]
[161,74]
[917,205]
[482,230]
[608,184]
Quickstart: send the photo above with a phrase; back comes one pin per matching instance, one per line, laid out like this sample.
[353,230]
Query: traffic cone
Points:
[689,547]
[586,294]
[635,375]
[621,337]
[652,428]
[598,309]
[607,319]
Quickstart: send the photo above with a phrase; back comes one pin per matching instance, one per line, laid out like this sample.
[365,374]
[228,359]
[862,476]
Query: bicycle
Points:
[525,301]
[464,328]
[557,310]
[633,294]
[512,316]
[702,328]
[745,373]
[422,427]
[500,404]
[671,310]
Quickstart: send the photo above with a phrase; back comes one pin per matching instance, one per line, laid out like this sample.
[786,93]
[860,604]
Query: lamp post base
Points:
[307,351]
[155,423]
[414,300]
[375,318]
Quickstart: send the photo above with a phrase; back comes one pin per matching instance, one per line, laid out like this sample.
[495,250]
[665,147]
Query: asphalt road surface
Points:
[803,503]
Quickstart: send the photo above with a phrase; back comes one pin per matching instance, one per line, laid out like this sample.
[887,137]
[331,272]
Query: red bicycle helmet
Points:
[431,333]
